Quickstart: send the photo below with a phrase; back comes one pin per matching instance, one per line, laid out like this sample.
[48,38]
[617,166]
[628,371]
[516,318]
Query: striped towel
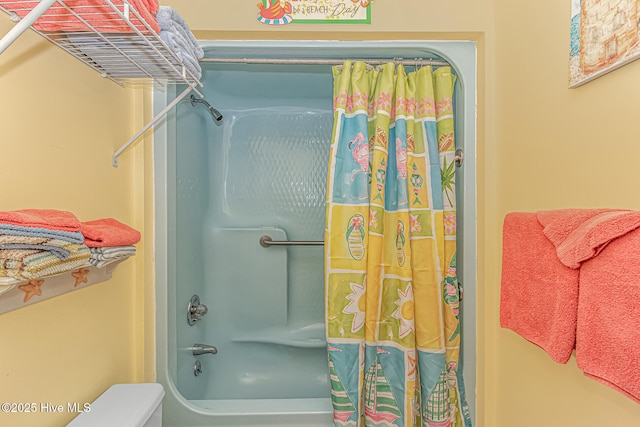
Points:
[105,255]
[56,246]
[16,230]
[31,264]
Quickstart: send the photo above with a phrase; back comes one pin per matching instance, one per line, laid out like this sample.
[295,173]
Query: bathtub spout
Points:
[200,349]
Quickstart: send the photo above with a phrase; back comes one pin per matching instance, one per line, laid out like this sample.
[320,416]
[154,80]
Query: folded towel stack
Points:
[39,242]
[109,240]
[32,264]
[36,243]
[175,33]
[571,279]
[106,255]
[94,12]
[108,232]
[57,246]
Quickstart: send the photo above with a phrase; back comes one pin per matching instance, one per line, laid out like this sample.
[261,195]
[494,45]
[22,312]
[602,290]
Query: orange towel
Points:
[608,334]
[604,244]
[601,245]
[108,232]
[580,234]
[42,218]
[539,295]
[151,5]
[95,12]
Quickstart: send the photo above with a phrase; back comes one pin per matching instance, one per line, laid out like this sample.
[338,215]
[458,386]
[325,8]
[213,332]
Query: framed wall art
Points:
[604,36]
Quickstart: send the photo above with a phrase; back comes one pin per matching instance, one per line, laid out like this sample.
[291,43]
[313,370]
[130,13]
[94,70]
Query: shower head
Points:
[214,113]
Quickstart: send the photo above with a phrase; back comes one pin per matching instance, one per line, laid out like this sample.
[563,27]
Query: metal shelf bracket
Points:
[24,24]
[117,45]
[153,121]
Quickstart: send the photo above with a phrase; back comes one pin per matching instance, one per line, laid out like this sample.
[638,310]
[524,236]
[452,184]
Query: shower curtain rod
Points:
[325,61]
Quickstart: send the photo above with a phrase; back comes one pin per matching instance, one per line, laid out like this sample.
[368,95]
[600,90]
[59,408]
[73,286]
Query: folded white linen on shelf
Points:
[176,34]
[105,255]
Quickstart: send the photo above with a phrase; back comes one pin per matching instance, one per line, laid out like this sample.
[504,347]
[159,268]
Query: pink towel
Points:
[95,12]
[151,5]
[42,218]
[608,335]
[580,234]
[108,232]
[602,246]
[539,295]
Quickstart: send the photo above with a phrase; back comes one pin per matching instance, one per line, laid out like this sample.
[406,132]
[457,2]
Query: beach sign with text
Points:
[282,12]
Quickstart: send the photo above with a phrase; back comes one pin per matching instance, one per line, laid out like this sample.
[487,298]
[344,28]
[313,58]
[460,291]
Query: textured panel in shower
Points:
[277,165]
[275,174]
[189,189]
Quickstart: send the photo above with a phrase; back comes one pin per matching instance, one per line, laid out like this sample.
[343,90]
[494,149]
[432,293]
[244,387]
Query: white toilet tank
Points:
[124,405]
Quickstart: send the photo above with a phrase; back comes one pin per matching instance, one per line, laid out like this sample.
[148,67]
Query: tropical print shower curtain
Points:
[392,297]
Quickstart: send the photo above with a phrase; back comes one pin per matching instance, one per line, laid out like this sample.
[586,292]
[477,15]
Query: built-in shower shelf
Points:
[312,336]
[20,293]
[110,36]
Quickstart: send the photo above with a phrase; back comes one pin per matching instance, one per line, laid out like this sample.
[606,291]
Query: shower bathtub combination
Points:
[240,321]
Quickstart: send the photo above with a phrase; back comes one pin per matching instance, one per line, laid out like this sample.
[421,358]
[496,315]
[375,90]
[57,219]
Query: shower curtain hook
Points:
[419,63]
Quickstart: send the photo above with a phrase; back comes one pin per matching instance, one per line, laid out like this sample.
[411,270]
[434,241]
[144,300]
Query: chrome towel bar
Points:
[266,241]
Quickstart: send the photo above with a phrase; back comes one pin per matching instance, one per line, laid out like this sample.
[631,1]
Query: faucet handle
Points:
[198,310]
[195,310]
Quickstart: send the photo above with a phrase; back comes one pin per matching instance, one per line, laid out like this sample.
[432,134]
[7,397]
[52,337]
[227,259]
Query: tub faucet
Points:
[200,349]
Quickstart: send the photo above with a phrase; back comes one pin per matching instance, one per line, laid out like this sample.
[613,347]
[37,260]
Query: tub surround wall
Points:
[231,185]
[265,302]
[191,190]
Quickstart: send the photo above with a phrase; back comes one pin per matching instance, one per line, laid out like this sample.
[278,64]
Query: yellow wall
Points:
[60,123]
[554,148]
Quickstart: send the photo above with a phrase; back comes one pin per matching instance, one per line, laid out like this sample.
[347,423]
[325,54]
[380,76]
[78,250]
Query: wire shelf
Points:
[112,37]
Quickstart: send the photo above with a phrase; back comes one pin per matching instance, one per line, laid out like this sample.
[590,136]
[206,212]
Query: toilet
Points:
[124,405]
